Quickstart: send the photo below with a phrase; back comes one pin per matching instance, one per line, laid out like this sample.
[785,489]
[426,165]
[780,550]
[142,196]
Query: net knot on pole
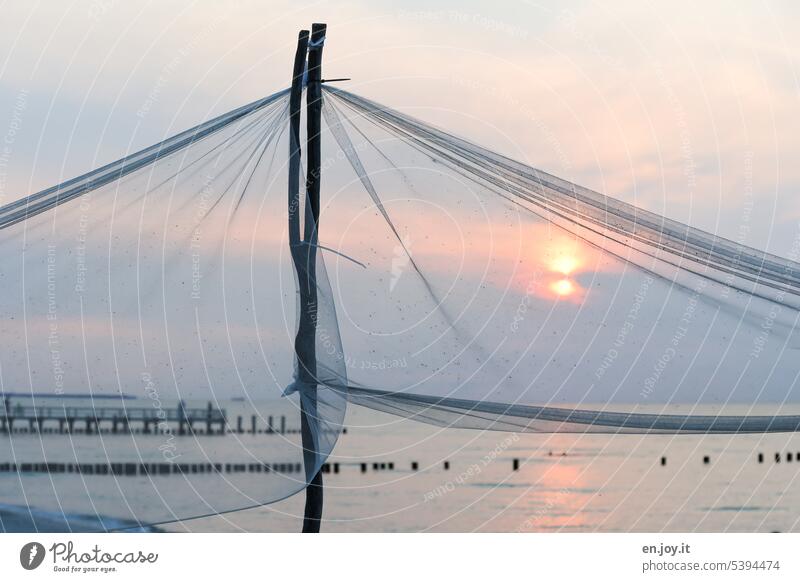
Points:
[300,386]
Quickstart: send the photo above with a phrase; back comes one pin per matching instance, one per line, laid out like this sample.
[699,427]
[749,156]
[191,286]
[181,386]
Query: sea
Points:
[399,475]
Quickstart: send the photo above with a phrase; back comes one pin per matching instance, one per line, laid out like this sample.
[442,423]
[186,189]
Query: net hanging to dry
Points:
[453,285]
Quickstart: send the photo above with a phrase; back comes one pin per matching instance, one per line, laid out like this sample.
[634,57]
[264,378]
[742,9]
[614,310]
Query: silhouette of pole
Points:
[314,491]
[295,99]
[304,257]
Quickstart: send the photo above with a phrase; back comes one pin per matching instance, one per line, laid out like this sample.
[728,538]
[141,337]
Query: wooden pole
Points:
[304,258]
[314,491]
[314,122]
[295,99]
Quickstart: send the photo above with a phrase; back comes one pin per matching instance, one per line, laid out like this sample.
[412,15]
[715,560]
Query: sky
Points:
[687,110]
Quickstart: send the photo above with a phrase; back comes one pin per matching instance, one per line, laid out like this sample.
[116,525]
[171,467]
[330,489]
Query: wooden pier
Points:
[21,419]
[90,420]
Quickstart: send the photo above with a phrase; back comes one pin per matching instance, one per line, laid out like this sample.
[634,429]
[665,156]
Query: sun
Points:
[563,287]
[564,264]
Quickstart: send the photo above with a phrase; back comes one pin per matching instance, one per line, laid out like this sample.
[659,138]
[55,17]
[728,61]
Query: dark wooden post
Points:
[314,123]
[314,491]
[295,100]
[304,253]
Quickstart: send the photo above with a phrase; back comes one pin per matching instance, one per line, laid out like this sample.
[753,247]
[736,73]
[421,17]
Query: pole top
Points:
[317,36]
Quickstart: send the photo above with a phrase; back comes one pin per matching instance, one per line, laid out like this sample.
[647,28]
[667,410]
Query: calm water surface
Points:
[563,483]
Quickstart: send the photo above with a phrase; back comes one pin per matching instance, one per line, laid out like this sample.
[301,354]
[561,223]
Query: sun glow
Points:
[563,287]
[564,264]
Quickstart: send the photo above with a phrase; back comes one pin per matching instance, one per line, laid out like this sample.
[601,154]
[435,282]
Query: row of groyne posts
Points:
[161,469]
[778,457]
[172,468]
[139,420]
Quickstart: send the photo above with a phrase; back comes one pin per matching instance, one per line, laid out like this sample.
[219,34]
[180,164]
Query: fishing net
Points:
[142,302]
[151,313]
[507,298]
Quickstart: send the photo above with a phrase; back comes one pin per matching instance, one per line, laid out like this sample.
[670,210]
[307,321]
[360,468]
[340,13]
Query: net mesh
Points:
[142,302]
[151,313]
[511,299]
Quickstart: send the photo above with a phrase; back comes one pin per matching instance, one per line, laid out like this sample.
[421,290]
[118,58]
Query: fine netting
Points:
[140,303]
[498,296]
[144,300]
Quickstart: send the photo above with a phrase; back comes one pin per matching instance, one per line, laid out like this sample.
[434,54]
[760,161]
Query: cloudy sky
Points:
[688,110]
